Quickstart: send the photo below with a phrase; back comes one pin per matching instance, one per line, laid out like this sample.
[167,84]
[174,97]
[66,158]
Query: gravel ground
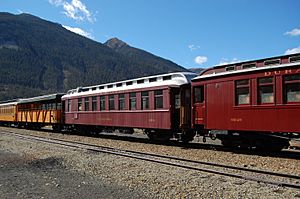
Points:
[119,177]
[22,175]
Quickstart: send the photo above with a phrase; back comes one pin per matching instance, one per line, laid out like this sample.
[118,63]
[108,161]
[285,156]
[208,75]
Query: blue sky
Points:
[191,33]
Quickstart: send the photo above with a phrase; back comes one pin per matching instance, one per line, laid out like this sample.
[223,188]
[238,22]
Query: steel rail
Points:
[153,158]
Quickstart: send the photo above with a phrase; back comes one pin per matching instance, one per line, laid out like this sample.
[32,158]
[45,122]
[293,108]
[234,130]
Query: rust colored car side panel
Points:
[221,109]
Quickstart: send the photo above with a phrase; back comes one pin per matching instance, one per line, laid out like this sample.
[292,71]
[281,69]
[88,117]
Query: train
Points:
[251,105]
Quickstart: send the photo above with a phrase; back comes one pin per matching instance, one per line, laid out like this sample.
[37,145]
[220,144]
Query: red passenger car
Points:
[249,104]
[160,105]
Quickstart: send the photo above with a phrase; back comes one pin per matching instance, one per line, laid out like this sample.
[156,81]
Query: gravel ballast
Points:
[120,177]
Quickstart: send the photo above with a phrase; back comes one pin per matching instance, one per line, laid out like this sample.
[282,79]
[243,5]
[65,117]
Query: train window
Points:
[94,103]
[58,106]
[121,101]
[242,92]
[265,90]
[292,88]
[51,106]
[292,78]
[102,103]
[199,94]
[295,59]
[140,81]
[132,101]
[80,104]
[272,62]
[244,82]
[177,101]
[69,105]
[251,65]
[111,102]
[158,98]
[145,100]
[154,79]
[229,68]
[87,104]
[165,78]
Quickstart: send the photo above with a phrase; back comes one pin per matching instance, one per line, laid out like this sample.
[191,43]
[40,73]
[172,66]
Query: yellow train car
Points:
[40,111]
[8,112]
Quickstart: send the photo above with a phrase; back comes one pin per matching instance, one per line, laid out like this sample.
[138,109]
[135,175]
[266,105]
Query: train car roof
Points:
[41,98]
[9,103]
[251,66]
[170,79]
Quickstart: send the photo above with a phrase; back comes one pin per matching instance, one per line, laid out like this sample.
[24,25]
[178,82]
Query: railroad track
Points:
[268,177]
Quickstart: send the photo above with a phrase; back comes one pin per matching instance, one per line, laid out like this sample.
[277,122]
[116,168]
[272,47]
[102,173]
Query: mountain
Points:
[140,56]
[196,70]
[40,57]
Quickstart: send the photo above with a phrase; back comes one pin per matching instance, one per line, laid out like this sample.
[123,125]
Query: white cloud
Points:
[193,47]
[225,61]
[200,60]
[292,51]
[20,11]
[294,32]
[79,31]
[74,9]
[57,2]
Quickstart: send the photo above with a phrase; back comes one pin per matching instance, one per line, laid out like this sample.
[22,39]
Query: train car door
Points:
[175,104]
[199,105]
[185,106]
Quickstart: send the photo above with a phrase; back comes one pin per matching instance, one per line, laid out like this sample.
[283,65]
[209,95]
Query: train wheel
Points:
[56,128]
[229,143]
[272,146]
[187,136]
[158,136]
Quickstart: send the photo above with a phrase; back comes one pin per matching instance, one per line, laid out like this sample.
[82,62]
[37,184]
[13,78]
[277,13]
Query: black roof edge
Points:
[41,98]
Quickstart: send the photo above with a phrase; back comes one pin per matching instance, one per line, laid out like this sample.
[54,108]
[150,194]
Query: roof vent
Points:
[165,78]
[141,81]
[229,68]
[154,79]
[250,65]
[272,62]
[295,59]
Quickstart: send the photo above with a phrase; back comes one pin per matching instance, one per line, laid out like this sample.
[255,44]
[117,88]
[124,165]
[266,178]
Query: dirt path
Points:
[48,178]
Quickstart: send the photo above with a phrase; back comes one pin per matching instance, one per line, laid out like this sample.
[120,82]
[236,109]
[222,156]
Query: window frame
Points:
[94,103]
[289,83]
[158,99]
[201,98]
[241,87]
[261,85]
[69,105]
[86,104]
[79,104]
[132,101]
[121,101]
[102,103]
[145,100]
[111,102]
